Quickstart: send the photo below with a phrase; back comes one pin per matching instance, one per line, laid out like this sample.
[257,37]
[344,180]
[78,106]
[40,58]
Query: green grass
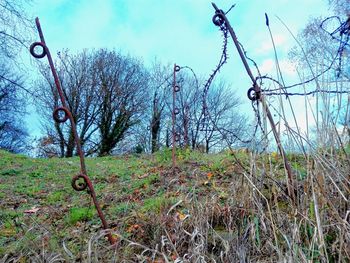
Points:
[156,204]
[122,208]
[56,197]
[81,214]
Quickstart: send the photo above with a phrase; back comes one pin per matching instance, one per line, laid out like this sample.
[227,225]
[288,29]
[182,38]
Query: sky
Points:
[178,31]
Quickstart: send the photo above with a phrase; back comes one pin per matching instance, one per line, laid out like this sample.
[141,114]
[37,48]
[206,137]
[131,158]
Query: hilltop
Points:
[211,208]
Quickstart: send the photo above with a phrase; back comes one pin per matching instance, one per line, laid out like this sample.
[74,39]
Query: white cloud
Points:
[266,46]
[268,66]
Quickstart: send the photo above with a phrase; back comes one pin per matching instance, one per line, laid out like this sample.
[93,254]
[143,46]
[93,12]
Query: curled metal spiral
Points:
[253,94]
[77,184]
[218,18]
[36,44]
[58,118]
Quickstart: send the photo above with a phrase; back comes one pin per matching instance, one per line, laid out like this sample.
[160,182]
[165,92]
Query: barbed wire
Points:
[281,90]
[299,83]
[194,74]
[222,61]
[342,29]
[206,113]
[344,37]
[306,93]
[338,56]
[245,53]
[341,34]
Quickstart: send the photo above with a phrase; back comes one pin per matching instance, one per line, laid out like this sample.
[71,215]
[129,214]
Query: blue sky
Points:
[177,31]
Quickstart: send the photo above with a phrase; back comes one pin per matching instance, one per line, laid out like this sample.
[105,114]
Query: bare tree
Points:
[106,93]
[79,84]
[222,123]
[13,35]
[199,127]
[14,25]
[321,56]
[123,83]
[160,83]
[341,7]
[12,132]
[189,104]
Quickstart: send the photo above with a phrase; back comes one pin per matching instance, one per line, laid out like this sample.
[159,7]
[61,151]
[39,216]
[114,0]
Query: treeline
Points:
[119,105]
[15,33]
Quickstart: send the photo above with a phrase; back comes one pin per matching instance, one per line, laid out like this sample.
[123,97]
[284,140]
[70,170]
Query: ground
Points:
[227,207]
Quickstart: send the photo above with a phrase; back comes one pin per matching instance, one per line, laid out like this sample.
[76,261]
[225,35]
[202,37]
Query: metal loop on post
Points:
[177,68]
[79,185]
[176,88]
[32,50]
[218,19]
[253,94]
[56,114]
[176,111]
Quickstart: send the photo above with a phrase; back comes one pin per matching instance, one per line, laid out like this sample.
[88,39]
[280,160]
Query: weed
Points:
[145,182]
[156,204]
[164,155]
[122,208]
[10,172]
[77,214]
[36,174]
[55,197]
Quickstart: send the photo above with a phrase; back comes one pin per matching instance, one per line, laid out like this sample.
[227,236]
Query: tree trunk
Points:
[70,145]
[155,125]
[167,141]
[154,134]
[207,146]
[60,138]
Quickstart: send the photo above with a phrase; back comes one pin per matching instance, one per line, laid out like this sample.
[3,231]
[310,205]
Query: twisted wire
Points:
[223,59]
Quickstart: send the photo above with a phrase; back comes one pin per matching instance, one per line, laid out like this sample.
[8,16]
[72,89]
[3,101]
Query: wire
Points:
[205,112]
[343,30]
[306,93]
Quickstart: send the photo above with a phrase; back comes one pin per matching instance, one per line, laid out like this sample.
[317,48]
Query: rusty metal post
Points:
[175,111]
[185,124]
[78,186]
[219,19]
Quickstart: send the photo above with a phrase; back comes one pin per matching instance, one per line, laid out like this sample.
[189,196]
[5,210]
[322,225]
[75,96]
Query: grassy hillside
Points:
[212,208]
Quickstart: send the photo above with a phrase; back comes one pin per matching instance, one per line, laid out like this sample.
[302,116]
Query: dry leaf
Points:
[33,210]
[142,176]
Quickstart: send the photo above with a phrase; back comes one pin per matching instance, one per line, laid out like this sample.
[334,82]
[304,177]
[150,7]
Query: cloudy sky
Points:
[178,31]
